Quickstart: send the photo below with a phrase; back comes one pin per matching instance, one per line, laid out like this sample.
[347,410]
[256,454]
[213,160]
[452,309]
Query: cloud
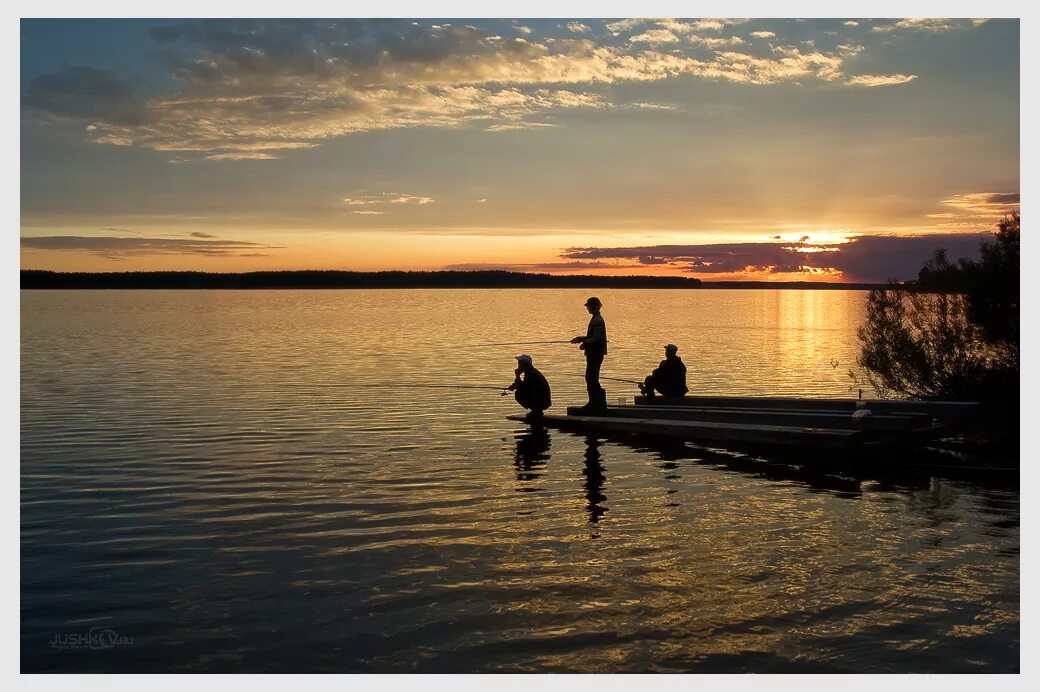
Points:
[85,93]
[119,230]
[709,25]
[863,258]
[851,22]
[244,155]
[368,212]
[653,106]
[763,34]
[929,24]
[518,125]
[482,200]
[624,25]
[655,36]
[523,29]
[255,89]
[577,27]
[670,31]
[115,246]
[716,42]
[873,80]
[540,267]
[387,198]
[200,234]
[989,205]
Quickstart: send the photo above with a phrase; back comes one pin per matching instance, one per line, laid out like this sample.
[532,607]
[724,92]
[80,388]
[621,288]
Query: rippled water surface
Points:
[233,481]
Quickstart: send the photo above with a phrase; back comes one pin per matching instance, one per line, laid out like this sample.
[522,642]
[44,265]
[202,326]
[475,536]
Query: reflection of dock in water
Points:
[788,466]
[840,433]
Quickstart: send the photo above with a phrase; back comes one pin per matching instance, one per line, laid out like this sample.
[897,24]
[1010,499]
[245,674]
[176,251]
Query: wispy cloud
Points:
[654,36]
[578,27]
[387,198]
[930,24]
[115,246]
[652,106]
[541,267]
[874,80]
[717,41]
[984,204]
[623,25]
[255,89]
[709,24]
[517,125]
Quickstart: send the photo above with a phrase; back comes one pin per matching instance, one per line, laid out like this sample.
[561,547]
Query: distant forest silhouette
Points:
[341,279]
[42,279]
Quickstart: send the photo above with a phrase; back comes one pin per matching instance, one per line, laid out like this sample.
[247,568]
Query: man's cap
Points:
[594,301]
[525,359]
[671,347]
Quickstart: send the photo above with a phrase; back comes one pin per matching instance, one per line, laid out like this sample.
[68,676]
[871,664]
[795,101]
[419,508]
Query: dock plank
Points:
[709,431]
[843,420]
[945,409]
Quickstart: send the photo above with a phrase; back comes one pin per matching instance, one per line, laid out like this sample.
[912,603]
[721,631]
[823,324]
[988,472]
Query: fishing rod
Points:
[527,343]
[613,379]
[523,343]
[440,386]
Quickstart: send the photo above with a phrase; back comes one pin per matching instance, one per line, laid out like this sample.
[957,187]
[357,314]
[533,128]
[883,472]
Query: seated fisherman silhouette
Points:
[669,379]
[532,391]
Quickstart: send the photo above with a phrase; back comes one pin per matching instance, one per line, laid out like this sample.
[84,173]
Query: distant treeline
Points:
[37,279]
[794,285]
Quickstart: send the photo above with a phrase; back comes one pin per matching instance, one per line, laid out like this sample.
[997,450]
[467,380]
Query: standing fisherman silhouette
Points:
[670,376]
[532,392]
[594,343]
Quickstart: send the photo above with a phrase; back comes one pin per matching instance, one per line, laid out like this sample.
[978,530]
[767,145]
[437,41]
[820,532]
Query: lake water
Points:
[232,481]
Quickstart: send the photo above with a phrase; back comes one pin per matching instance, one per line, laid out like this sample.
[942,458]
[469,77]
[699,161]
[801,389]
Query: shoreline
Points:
[35,279]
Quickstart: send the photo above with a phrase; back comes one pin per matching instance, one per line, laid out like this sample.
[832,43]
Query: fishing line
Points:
[522,343]
[436,386]
[604,377]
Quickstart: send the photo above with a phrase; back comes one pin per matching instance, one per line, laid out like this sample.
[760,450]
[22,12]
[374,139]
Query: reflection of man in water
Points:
[670,376]
[594,343]
[532,392]
[594,478]
[532,451]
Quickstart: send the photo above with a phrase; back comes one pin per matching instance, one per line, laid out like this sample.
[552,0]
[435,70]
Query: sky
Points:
[761,149]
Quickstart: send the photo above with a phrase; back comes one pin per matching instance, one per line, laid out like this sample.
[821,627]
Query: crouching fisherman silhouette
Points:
[532,390]
[669,379]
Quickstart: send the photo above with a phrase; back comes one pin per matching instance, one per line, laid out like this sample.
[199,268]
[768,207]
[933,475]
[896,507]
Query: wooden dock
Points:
[688,430]
[942,409]
[775,421]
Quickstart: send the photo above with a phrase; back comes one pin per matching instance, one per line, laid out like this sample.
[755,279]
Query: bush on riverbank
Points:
[954,334]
